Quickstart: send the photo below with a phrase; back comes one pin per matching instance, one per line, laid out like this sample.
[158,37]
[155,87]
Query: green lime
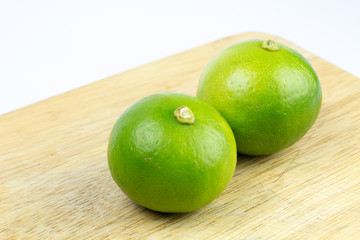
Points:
[269,94]
[172,152]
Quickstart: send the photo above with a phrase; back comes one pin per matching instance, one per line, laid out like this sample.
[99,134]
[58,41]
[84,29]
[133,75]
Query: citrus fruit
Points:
[171,152]
[269,94]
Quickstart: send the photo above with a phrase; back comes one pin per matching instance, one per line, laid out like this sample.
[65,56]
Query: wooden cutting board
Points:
[55,183]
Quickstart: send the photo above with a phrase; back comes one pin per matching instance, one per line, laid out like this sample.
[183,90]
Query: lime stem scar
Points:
[184,115]
[270,45]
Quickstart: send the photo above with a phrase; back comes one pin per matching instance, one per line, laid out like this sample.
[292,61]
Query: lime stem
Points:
[184,115]
[270,45]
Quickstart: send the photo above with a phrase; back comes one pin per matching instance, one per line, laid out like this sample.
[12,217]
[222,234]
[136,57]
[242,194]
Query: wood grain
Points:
[55,184]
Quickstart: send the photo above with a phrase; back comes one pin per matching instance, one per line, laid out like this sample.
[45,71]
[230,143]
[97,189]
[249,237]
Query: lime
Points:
[269,94]
[172,152]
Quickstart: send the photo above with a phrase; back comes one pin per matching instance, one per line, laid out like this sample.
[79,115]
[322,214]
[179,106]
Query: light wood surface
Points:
[55,183]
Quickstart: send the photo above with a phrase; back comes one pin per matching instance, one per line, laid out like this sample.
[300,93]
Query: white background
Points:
[49,47]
